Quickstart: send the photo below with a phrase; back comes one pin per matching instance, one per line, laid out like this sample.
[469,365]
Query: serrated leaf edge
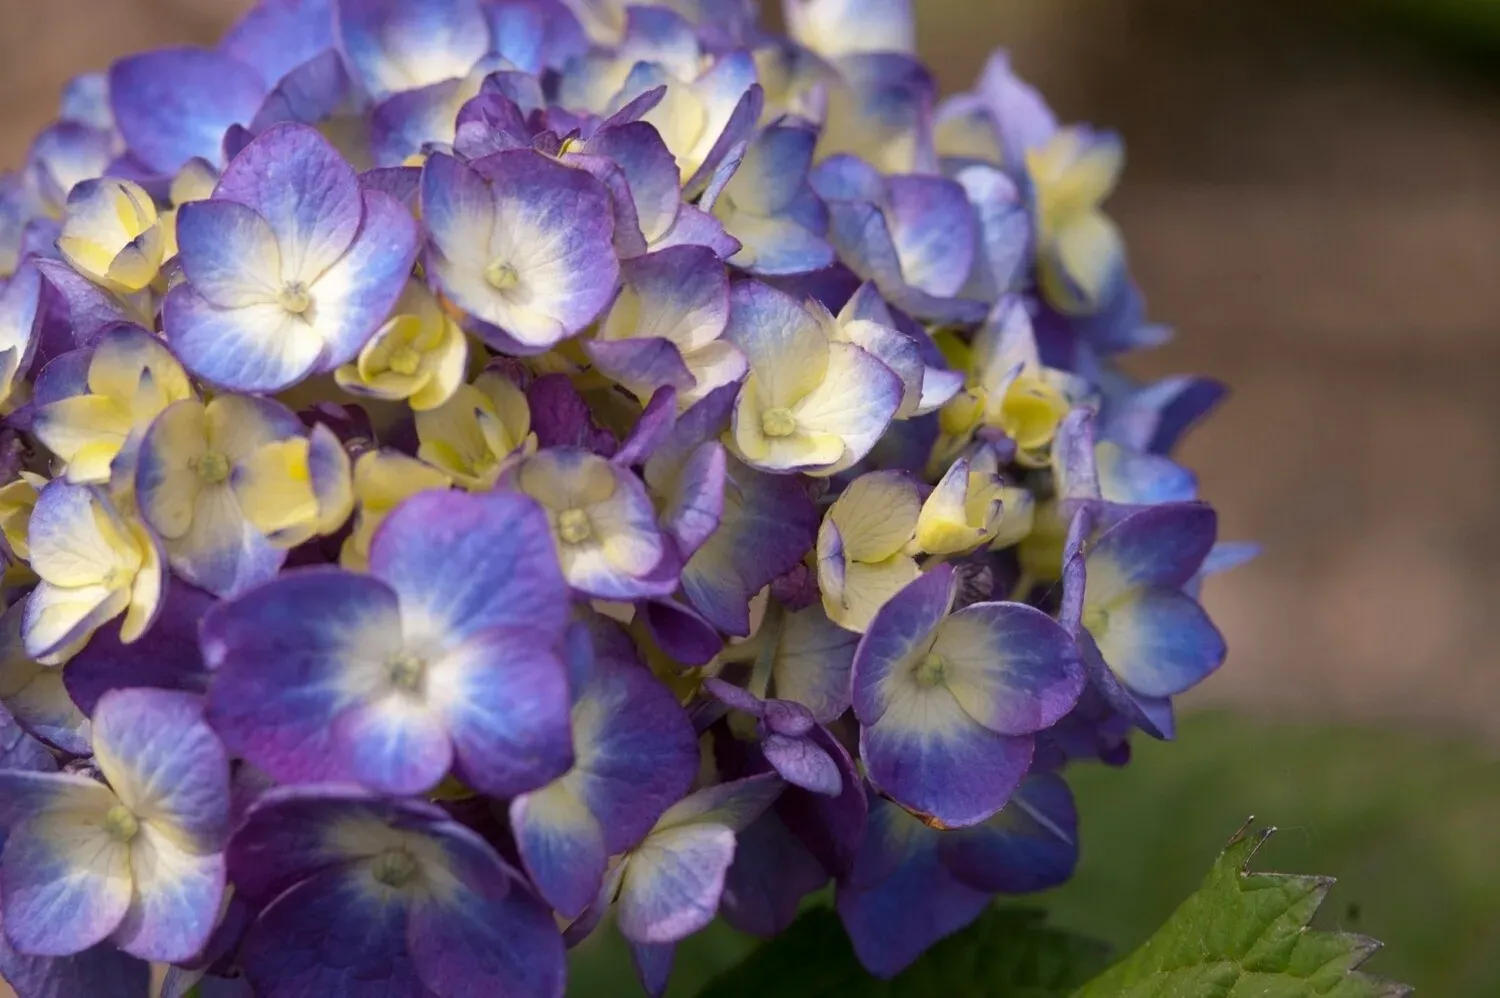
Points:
[1363,946]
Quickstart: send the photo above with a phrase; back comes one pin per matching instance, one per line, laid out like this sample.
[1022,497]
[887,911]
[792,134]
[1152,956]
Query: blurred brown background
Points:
[1317,210]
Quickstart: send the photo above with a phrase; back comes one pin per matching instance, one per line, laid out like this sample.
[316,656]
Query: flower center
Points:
[120,823]
[212,468]
[931,670]
[407,671]
[394,867]
[406,361]
[501,276]
[573,526]
[295,298]
[778,422]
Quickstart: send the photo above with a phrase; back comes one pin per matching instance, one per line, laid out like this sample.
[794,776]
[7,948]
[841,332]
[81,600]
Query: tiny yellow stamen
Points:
[778,422]
[394,867]
[931,670]
[407,671]
[501,276]
[212,468]
[573,526]
[406,361]
[294,298]
[120,823]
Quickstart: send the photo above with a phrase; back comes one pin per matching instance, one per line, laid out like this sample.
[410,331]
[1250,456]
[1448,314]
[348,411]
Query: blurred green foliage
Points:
[1467,29]
[1407,823]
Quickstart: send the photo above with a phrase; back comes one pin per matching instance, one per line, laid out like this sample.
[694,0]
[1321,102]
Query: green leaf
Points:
[1007,952]
[1244,934]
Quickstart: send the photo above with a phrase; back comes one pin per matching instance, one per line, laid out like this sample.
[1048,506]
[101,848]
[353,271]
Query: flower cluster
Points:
[472,468]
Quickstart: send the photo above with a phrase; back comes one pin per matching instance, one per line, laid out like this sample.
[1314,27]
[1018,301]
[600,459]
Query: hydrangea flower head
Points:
[480,473]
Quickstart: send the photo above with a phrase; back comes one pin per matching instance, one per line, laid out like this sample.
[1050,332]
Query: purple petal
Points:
[1158,546]
[653,965]
[548,228]
[637,753]
[1020,114]
[294,179]
[561,418]
[1153,716]
[681,632]
[88,309]
[643,366]
[653,426]
[333,934]
[1012,668]
[696,227]
[893,919]
[489,123]
[276,36]
[939,762]
[34,702]
[561,845]
[830,826]
[650,171]
[1154,418]
[775,167]
[490,937]
[774,517]
[772,872]
[165,764]
[803,763]
[173,104]
[933,228]
[393,744]
[1142,479]
[683,296]
[899,631]
[1160,642]
[695,510]
[281,653]
[673,889]
[357,293]
[503,696]
[396,45]
[65,883]
[176,900]
[20,751]
[288,834]
[1031,844]
[99,972]
[311,93]
[813,663]
[404,124]
[514,26]
[261,347]
[472,562]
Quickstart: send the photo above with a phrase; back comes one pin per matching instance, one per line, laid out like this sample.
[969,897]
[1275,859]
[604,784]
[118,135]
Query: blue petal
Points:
[276,36]
[100,972]
[489,937]
[910,903]
[174,104]
[165,764]
[471,562]
[503,696]
[293,178]
[397,45]
[333,934]
[280,652]
[1030,845]
[1160,642]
